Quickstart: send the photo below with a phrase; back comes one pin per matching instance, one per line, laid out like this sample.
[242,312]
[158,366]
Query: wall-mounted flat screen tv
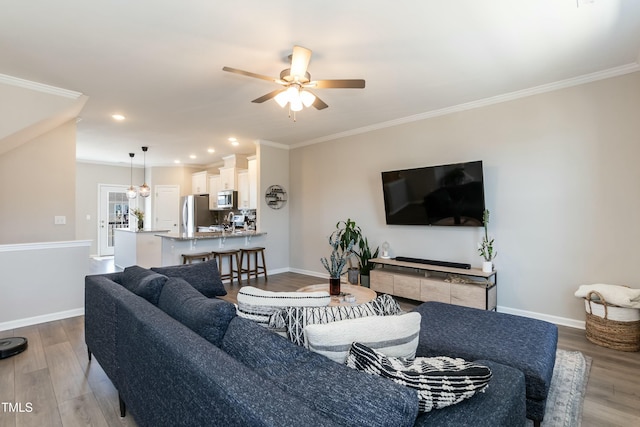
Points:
[435,195]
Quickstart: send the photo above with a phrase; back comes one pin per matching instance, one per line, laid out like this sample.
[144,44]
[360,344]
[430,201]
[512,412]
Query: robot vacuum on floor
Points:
[12,346]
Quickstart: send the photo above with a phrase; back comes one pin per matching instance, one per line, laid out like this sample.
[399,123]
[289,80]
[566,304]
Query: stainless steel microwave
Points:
[227,199]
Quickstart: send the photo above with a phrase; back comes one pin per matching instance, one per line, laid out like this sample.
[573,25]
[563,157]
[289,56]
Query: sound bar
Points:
[433,262]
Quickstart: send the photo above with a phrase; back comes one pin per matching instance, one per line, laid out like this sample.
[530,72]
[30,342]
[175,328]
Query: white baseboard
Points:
[564,321]
[309,273]
[20,323]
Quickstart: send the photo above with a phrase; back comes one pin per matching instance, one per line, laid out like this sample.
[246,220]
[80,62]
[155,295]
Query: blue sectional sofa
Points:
[178,358]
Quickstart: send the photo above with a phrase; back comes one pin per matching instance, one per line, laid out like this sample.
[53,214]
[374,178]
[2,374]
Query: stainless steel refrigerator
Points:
[195,213]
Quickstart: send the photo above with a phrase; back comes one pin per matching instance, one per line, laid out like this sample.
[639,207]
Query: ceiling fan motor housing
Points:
[286,76]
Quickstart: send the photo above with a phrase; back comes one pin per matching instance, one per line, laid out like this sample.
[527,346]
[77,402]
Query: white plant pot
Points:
[487,266]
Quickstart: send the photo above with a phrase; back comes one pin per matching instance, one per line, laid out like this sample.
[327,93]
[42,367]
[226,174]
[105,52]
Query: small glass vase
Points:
[334,286]
[140,224]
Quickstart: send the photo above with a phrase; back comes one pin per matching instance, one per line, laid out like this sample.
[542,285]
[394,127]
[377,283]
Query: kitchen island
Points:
[173,245]
[140,247]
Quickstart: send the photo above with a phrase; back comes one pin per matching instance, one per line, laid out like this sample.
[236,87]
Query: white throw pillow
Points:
[258,305]
[395,336]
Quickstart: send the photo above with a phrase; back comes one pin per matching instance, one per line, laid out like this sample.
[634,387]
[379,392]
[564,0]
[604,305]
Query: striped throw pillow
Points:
[258,305]
[439,381]
[391,335]
[294,319]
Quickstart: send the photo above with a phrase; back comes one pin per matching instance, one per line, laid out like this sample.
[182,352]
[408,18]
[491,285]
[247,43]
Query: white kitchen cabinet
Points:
[214,187]
[253,182]
[243,189]
[199,183]
[228,179]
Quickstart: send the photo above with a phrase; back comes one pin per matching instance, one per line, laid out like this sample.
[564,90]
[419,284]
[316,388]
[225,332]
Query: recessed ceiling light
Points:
[233,141]
[211,150]
[118,117]
[192,156]
[176,161]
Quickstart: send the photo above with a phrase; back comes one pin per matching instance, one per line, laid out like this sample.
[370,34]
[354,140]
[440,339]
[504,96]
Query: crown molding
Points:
[575,81]
[274,144]
[39,87]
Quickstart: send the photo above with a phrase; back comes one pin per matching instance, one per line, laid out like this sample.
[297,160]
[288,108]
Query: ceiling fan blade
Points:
[300,61]
[268,96]
[319,104]
[338,84]
[248,74]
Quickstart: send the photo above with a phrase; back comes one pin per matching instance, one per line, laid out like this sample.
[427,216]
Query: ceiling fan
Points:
[296,82]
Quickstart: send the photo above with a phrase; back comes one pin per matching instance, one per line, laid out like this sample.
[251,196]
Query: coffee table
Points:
[361,293]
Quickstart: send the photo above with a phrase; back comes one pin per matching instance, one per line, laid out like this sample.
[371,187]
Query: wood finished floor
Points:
[55,376]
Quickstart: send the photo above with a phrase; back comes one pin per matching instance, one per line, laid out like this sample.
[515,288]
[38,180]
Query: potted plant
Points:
[485,247]
[365,265]
[139,216]
[350,232]
[337,260]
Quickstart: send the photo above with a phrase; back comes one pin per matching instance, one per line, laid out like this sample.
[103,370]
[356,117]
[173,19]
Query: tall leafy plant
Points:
[350,234]
[365,255]
[485,248]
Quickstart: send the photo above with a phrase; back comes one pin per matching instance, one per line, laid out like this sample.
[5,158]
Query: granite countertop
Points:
[211,235]
[141,231]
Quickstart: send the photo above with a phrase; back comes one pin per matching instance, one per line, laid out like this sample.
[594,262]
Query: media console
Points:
[470,287]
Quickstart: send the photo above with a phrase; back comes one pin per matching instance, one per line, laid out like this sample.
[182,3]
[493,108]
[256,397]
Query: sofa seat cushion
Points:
[143,282]
[258,304]
[347,397]
[501,405]
[208,317]
[440,381]
[294,319]
[523,343]
[204,276]
[390,335]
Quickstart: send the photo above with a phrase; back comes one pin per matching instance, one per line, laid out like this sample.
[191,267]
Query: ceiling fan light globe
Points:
[296,104]
[307,98]
[282,98]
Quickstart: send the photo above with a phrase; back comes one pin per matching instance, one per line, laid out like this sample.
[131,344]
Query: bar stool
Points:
[230,254]
[257,269]
[203,256]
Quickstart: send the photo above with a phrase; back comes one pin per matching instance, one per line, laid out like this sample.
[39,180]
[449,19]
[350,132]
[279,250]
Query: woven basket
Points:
[617,335]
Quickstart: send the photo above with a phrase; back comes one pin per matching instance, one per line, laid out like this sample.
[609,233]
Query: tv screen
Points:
[435,195]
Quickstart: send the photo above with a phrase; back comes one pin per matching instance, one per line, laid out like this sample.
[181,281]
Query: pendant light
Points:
[131,192]
[145,191]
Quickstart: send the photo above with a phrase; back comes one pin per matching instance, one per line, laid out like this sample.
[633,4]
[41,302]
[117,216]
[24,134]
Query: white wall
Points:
[561,182]
[273,168]
[54,290]
[37,183]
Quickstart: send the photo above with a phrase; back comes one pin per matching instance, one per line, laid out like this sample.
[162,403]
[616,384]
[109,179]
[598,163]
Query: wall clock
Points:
[276,197]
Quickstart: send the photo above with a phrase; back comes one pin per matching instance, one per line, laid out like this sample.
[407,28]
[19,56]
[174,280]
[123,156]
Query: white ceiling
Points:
[160,62]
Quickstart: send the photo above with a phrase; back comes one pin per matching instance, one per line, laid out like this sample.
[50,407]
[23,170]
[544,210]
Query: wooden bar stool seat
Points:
[202,256]
[257,268]
[234,269]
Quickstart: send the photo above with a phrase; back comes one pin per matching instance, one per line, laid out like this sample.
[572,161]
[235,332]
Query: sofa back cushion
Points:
[346,396]
[208,317]
[204,276]
[144,283]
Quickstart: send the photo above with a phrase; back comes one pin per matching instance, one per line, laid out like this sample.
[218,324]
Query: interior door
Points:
[113,211]
[167,208]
